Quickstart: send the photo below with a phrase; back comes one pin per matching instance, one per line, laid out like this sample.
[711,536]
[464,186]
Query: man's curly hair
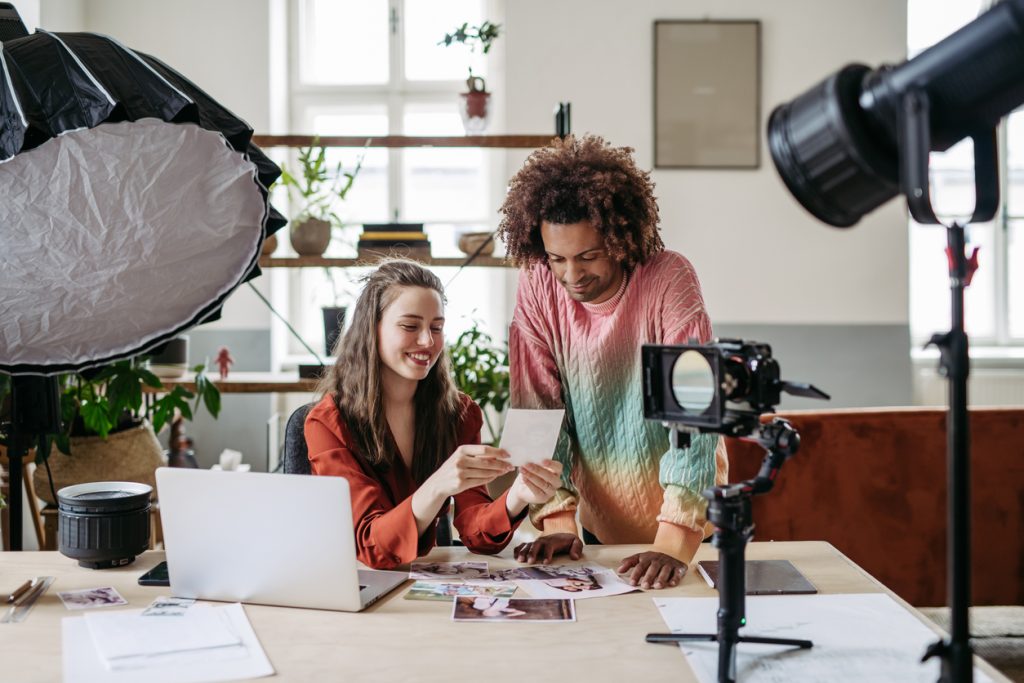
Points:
[582,179]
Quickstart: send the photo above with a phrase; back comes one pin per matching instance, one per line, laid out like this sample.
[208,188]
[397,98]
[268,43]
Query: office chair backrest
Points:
[296,455]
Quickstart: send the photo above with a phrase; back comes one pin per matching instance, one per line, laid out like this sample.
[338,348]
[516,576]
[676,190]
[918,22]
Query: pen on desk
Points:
[21,590]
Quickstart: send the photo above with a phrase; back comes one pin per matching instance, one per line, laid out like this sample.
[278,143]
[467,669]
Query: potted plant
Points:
[480,369]
[316,192]
[334,315]
[475,100]
[110,424]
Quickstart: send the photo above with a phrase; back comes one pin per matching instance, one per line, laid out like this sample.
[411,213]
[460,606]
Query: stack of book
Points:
[406,240]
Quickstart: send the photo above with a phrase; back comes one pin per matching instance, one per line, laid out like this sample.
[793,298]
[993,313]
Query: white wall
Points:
[760,256]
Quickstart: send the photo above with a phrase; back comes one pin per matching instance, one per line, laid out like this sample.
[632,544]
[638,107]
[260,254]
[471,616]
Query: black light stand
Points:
[954,363]
[729,509]
[35,410]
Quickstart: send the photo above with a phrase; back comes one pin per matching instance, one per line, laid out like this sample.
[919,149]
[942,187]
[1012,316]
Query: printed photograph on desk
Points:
[444,591]
[597,585]
[92,597]
[449,571]
[483,608]
[543,572]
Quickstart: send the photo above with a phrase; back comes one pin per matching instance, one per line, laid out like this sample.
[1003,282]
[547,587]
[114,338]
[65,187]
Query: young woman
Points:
[392,423]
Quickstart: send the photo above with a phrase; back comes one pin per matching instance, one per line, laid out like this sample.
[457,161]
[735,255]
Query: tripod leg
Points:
[679,637]
[727,659]
[802,644]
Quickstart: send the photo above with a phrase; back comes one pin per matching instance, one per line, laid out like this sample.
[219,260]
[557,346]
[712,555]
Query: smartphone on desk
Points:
[157,576]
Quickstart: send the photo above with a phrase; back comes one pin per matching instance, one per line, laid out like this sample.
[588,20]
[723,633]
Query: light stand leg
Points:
[15,455]
[956,653]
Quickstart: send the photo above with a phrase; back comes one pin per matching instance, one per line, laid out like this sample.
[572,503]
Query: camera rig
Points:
[724,387]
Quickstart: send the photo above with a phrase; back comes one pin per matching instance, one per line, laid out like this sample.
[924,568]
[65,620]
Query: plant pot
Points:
[129,455]
[269,246]
[475,111]
[170,361]
[310,237]
[469,242]
[334,324]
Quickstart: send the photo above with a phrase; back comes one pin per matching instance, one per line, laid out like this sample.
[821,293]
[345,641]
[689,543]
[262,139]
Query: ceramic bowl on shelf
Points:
[469,242]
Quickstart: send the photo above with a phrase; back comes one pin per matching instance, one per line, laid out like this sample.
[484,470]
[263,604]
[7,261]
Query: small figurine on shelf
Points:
[181,453]
[224,361]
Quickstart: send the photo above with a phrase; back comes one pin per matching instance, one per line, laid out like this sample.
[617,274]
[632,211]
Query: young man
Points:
[581,220]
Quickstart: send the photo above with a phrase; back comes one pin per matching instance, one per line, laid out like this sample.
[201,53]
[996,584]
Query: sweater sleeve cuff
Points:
[560,523]
[562,502]
[677,541]
[685,508]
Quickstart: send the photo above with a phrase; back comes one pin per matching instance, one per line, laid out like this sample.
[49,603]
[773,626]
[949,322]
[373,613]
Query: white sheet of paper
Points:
[857,637]
[82,662]
[531,435]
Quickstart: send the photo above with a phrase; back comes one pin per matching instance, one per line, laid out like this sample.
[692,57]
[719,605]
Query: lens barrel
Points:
[103,524]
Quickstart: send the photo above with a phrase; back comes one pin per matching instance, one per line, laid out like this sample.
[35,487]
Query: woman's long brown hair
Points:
[355,379]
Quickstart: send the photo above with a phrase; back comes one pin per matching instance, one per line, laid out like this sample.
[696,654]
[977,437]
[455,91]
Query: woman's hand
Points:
[470,465]
[535,484]
[544,549]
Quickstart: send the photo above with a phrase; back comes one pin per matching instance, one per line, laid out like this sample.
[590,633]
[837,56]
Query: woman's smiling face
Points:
[410,335]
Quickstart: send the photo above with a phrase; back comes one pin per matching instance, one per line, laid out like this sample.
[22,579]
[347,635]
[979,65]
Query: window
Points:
[374,67]
[994,303]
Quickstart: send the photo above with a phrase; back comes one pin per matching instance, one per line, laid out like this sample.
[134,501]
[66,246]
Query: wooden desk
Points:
[401,640]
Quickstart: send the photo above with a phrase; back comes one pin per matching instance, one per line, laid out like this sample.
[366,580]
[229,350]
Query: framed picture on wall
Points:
[707,94]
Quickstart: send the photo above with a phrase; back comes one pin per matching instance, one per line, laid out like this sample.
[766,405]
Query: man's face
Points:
[579,260]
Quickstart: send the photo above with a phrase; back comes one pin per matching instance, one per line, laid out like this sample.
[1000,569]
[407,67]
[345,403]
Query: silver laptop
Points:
[271,539]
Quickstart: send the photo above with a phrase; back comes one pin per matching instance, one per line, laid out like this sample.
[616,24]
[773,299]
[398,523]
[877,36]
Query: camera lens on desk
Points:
[103,524]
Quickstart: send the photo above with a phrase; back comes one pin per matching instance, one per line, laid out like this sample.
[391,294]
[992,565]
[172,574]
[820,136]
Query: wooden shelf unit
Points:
[324,262]
[491,141]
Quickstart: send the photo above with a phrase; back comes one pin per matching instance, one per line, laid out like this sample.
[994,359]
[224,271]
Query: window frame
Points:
[397,94]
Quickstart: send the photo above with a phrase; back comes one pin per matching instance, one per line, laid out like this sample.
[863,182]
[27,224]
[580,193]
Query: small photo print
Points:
[443,591]
[598,585]
[451,571]
[542,572]
[168,607]
[483,608]
[92,597]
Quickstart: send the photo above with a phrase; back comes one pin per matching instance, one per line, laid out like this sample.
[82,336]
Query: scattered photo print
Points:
[168,607]
[598,585]
[451,571]
[443,591]
[484,608]
[92,597]
[541,572]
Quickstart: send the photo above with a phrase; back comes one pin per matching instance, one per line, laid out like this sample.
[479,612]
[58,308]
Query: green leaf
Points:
[96,416]
[149,379]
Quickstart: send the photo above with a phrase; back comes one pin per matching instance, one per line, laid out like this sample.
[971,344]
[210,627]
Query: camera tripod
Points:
[729,509]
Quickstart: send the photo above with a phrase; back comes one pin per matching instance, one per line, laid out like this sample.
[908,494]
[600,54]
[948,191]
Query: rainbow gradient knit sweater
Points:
[618,467]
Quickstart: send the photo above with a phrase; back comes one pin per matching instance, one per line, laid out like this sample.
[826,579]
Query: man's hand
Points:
[545,548]
[653,570]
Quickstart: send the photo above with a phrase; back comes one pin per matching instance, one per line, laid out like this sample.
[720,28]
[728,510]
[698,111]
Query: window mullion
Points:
[395,109]
[1000,243]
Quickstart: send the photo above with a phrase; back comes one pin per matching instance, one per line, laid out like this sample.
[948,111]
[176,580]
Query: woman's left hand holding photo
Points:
[535,484]
[470,465]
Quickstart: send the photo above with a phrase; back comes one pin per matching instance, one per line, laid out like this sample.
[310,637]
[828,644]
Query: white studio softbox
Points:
[131,203]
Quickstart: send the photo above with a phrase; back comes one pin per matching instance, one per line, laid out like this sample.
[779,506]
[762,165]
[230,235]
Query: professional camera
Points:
[719,387]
